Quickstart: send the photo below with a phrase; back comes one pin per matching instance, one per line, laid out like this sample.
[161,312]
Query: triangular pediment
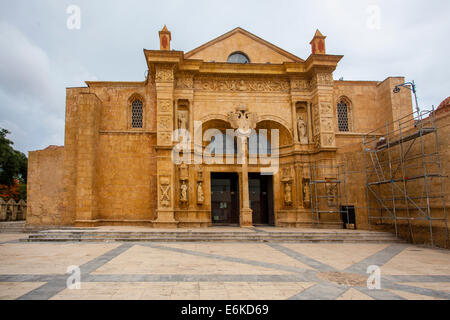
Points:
[239,40]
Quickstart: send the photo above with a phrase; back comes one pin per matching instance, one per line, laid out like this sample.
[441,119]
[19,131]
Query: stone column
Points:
[245,218]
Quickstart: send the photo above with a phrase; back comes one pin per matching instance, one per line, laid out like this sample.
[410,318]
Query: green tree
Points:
[13,163]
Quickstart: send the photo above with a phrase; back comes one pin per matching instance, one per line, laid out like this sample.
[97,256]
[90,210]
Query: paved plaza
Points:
[212,270]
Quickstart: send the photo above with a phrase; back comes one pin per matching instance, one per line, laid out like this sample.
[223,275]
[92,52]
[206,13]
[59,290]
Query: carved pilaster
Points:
[323,115]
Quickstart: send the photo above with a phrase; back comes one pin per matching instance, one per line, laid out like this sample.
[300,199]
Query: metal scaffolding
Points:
[328,191]
[404,180]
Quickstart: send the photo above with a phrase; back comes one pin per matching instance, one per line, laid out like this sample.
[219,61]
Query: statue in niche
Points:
[183,192]
[287,194]
[306,194]
[182,120]
[200,195]
[302,131]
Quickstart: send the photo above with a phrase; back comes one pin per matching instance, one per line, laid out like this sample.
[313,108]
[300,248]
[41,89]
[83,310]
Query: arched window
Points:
[238,57]
[343,115]
[136,114]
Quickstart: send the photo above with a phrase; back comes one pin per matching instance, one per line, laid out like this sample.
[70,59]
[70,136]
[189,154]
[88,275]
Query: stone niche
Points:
[182,117]
[302,122]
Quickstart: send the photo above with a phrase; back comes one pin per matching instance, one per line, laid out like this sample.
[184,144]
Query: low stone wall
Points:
[12,210]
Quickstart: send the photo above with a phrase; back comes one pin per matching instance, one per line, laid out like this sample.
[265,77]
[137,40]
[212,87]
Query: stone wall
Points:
[45,187]
[12,210]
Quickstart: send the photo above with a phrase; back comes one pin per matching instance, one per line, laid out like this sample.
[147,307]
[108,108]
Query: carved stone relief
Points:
[328,140]
[164,138]
[327,124]
[326,109]
[164,123]
[184,80]
[164,185]
[325,79]
[300,85]
[332,193]
[242,120]
[164,105]
[164,72]
[219,84]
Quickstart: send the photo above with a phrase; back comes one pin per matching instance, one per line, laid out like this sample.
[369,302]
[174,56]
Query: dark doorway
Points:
[224,198]
[348,217]
[261,198]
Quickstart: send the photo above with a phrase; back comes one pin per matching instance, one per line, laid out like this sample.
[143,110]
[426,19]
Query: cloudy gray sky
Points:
[40,56]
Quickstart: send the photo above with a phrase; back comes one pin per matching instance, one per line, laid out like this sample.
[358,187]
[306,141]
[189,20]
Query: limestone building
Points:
[117,168]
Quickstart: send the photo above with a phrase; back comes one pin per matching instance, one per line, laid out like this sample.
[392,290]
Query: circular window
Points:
[238,57]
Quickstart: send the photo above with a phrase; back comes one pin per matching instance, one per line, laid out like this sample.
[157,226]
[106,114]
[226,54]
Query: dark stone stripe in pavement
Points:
[302,258]
[30,277]
[104,258]
[417,278]
[320,291]
[379,259]
[229,259]
[417,290]
[199,278]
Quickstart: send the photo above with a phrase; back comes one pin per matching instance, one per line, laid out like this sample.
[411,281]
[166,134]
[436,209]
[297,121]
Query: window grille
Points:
[136,114]
[342,113]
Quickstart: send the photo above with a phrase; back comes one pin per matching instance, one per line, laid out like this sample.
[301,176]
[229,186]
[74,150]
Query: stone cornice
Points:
[93,84]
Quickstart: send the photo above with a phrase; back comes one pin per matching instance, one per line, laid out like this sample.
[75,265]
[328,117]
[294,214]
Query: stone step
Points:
[161,239]
[212,236]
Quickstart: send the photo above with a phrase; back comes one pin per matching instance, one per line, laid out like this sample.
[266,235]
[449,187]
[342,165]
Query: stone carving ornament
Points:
[300,85]
[242,120]
[332,189]
[165,191]
[325,79]
[164,72]
[266,85]
[185,81]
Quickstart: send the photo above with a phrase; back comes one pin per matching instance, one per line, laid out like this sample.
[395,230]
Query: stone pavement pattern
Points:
[220,270]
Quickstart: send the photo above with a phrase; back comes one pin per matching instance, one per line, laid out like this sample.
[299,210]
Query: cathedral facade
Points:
[225,134]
